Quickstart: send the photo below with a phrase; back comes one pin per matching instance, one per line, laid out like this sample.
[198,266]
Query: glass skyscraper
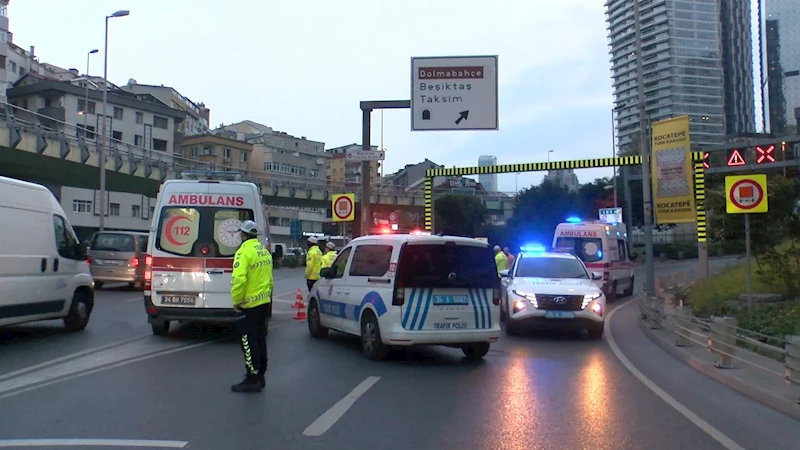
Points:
[488,181]
[783,62]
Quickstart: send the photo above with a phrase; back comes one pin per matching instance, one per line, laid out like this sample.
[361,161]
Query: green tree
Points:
[459,215]
[539,210]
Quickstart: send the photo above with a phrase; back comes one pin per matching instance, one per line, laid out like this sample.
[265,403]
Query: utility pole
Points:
[644,150]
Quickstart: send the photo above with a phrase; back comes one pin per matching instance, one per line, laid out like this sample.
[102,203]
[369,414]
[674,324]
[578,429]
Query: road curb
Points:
[766,398]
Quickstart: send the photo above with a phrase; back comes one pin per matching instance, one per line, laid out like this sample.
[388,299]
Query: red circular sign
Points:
[173,230]
[746,194]
[342,208]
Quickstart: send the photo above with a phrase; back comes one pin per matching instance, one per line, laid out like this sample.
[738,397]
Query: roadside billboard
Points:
[672,171]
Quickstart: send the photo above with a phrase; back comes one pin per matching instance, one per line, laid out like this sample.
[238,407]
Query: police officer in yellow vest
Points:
[329,256]
[500,259]
[251,294]
[313,262]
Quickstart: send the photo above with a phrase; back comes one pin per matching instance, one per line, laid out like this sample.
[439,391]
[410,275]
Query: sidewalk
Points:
[746,377]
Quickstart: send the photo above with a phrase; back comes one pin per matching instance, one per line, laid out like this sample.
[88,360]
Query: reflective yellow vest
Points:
[251,281]
[328,258]
[313,263]
[500,261]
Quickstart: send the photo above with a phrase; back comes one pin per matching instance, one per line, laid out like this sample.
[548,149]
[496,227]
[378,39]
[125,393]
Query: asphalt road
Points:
[555,391]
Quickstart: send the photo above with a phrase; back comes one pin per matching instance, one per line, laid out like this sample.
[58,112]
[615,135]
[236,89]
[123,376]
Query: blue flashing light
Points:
[617,233]
[573,220]
[532,248]
[599,253]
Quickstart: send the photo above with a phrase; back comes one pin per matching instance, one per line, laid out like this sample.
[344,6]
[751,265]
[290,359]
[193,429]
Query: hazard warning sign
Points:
[735,158]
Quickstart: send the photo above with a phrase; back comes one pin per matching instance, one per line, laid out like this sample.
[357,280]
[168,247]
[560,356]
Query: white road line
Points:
[91,443]
[331,416]
[709,429]
[52,362]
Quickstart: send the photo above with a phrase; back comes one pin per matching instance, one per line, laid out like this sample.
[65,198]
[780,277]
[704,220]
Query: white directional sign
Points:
[454,93]
[365,155]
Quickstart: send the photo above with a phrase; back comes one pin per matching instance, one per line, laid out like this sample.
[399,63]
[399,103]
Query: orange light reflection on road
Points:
[517,408]
[594,395]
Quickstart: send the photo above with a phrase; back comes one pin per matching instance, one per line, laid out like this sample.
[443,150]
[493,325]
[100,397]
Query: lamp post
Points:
[548,155]
[516,182]
[85,111]
[102,141]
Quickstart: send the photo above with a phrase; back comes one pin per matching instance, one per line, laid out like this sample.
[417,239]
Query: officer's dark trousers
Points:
[310,284]
[252,327]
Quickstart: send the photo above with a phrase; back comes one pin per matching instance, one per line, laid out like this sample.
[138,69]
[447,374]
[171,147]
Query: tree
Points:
[539,210]
[459,215]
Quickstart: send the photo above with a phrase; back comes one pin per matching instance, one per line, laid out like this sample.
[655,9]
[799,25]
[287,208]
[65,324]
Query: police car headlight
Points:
[527,296]
[588,298]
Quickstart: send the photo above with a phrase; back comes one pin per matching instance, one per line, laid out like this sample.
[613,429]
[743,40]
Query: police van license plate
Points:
[447,300]
[184,300]
[559,314]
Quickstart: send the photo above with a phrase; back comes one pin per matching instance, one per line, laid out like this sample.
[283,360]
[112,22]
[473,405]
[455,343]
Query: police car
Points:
[551,290]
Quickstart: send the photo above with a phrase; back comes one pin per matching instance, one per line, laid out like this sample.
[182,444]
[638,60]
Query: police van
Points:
[193,238]
[399,290]
[603,247]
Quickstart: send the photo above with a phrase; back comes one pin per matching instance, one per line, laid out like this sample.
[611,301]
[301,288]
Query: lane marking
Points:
[91,443]
[53,362]
[706,427]
[331,416]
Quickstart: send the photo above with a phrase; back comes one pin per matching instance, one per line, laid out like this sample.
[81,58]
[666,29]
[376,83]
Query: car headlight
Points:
[527,296]
[588,298]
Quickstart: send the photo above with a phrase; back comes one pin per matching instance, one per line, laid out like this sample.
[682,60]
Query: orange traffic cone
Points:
[301,314]
[298,301]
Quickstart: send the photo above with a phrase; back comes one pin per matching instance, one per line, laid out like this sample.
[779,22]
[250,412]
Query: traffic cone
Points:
[301,314]
[298,301]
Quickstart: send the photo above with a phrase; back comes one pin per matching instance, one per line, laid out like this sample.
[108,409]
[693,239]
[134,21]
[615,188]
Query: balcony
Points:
[56,113]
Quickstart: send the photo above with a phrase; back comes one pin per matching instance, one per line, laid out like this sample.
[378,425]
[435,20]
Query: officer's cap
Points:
[330,245]
[249,227]
[312,240]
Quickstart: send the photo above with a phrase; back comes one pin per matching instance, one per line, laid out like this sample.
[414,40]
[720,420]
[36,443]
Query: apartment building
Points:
[198,115]
[138,119]
[341,171]
[217,151]
[411,176]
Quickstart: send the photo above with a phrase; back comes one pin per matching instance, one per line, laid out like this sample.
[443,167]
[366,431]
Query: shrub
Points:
[290,261]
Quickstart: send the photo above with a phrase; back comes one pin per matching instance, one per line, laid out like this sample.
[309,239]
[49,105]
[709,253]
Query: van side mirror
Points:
[597,275]
[505,274]
[325,272]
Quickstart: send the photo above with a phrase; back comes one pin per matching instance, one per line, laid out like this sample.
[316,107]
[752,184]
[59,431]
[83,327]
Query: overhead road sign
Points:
[765,154]
[343,206]
[365,155]
[746,194]
[735,158]
[454,93]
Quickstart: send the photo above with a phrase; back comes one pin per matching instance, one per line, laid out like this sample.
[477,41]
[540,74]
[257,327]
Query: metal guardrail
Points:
[48,128]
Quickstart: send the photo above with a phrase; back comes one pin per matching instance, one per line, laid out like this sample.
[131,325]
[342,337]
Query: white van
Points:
[43,269]
[603,247]
[399,290]
[193,238]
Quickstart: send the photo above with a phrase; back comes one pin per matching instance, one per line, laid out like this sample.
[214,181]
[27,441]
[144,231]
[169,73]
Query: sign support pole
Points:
[748,260]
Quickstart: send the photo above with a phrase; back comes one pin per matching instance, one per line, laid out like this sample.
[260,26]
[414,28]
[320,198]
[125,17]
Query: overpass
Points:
[40,149]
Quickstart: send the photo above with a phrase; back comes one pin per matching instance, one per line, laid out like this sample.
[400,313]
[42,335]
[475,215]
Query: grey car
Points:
[118,257]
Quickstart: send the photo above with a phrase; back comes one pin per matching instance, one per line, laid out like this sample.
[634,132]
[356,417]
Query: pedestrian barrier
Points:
[298,301]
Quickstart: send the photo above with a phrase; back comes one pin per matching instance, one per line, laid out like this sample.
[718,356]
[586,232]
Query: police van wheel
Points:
[476,351]
[314,322]
[371,345]
[160,328]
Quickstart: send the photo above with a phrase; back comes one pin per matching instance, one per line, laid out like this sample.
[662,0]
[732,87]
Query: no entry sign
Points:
[746,194]
[343,206]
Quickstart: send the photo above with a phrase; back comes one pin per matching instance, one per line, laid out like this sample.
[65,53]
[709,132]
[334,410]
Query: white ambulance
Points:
[603,247]
[193,238]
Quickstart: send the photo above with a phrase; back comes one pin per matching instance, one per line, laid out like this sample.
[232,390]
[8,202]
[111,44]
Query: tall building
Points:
[489,181]
[197,114]
[341,171]
[565,178]
[783,62]
[685,68]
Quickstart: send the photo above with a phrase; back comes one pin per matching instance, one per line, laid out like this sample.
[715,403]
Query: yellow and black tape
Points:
[428,188]
[535,167]
[700,198]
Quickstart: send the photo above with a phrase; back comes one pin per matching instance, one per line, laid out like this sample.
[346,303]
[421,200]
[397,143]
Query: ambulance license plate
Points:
[183,300]
[559,315]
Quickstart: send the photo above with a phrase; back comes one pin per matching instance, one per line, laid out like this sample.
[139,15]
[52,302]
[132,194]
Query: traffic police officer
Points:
[251,294]
[313,262]
[500,259]
[329,256]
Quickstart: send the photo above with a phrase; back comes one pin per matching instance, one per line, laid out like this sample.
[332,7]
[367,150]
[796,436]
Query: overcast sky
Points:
[302,66]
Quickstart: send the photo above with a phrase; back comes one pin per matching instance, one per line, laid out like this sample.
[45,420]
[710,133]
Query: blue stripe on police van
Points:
[408,305]
[482,307]
[474,307]
[488,307]
[425,311]
[416,311]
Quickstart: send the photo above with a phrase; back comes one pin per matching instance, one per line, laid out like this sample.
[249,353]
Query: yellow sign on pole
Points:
[746,194]
[343,207]
[673,180]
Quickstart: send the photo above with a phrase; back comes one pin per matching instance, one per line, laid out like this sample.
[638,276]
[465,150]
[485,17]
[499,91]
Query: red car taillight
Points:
[148,272]
[134,262]
[496,296]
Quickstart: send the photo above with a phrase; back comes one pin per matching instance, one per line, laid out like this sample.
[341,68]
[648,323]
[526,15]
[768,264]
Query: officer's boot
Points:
[251,383]
[262,380]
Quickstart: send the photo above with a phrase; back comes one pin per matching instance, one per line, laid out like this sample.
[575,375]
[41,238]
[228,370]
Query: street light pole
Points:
[101,143]
[645,153]
[86,97]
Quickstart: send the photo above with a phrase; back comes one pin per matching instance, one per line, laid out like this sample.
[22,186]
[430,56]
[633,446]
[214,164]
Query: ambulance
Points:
[603,247]
[193,238]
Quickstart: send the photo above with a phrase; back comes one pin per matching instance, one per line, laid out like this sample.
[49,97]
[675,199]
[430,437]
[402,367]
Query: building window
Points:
[3,10]
[193,152]
[207,151]
[160,122]
[87,132]
[159,144]
[244,156]
[113,209]
[138,140]
[136,211]
[83,109]
[12,67]
[226,153]
[82,206]
[117,135]
[139,117]
[118,113]
[314,173]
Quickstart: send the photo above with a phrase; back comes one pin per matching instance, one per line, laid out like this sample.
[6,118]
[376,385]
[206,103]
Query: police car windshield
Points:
[549,267]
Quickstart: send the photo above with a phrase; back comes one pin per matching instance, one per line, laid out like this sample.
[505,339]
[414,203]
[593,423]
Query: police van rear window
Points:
[186,231]
[432,266]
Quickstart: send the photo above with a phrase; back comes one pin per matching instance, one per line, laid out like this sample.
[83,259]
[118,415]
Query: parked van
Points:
[193,238]
[43,270]
[118,257]
[403,290]
[603,247]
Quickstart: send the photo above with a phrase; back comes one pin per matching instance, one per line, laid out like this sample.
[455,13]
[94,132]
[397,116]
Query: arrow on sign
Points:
[462,116]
